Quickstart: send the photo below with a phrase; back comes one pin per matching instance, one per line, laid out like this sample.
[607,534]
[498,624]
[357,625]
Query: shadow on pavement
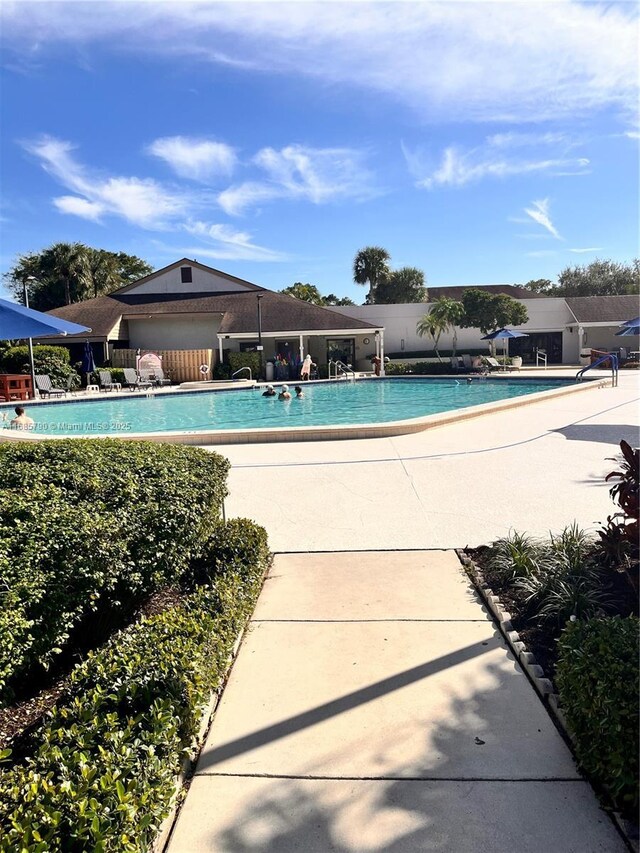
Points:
[602,433]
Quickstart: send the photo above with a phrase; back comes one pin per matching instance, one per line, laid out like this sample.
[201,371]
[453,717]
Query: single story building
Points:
[188,307]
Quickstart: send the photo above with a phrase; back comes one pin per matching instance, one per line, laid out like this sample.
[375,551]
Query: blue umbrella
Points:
[16,321]
[628,331]
[88,364]
[504,334]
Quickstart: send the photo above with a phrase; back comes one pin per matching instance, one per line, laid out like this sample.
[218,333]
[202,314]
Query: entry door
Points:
[341,349]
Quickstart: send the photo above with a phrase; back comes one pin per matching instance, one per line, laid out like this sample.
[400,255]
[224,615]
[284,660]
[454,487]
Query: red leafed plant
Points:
[620,536]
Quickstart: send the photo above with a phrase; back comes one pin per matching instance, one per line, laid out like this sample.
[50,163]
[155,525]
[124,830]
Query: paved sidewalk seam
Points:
[324,778]
[357,621]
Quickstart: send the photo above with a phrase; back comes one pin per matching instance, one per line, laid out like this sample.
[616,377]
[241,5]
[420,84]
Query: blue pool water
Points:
[364,402]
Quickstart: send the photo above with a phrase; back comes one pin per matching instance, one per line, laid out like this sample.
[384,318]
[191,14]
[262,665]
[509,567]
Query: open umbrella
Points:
[628,328]
[16,321]
[504,334]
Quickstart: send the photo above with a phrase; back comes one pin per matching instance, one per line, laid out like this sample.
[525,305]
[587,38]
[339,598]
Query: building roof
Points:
[455,292]
[191,263]
[279,312]
[603,309]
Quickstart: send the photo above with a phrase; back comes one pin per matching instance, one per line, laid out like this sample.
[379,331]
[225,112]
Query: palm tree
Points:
[433,326]
[448,313]
[104,271]
[371,265]
[68,263]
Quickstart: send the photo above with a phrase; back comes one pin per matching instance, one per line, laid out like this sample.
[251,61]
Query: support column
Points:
[220,349]
[382,371]
[301,349]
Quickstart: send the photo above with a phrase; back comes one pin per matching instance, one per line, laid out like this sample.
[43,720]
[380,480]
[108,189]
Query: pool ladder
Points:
[233,375]
[344,368]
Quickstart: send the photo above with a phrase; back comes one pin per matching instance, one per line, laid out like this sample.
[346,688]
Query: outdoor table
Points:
[15,386]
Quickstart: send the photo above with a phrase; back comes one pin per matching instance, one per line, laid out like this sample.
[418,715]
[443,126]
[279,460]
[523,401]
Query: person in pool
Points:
[22,421]
[269,392]
[284,393]
[299,392]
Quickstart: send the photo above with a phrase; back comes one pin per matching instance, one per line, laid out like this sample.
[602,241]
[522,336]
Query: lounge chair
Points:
[46,389]
[154,377]
[494,364]
[132,380]
[455,362]
[107,383]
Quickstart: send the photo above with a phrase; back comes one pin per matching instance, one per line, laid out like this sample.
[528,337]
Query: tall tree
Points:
[600,278]
[403,285]
[310,293]
[431,325]
[488,311]
[449,314]
[71,272]
[305,292]
[540,285]
[371,266]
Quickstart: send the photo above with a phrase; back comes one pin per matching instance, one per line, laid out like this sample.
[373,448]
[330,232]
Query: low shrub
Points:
[52,361]
[398,369]
[597,677]
[221,371]
[244,359]
[101,772]
[87,529]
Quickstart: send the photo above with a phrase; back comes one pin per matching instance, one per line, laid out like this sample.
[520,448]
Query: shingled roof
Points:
[603,309]
[280,312]
[455,292]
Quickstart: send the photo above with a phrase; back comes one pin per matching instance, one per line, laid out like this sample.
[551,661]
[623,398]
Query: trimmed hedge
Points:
[101,775]
[87,529]
[597,678]
[52,361]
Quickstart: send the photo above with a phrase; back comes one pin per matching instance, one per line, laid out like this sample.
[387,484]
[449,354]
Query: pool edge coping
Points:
[334,432]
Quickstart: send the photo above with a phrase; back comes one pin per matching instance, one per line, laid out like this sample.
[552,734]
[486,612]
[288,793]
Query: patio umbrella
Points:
[628,328]
[504,334]
[16,321]
[88,364]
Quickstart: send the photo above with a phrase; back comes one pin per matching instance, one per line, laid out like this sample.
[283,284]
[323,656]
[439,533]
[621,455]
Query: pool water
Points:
[364,402]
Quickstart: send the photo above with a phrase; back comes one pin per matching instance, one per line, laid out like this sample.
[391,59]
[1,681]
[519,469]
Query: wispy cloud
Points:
[446,61]
[226,243]
[539,212]
[494,159]
[141,201]
[587,251]
[316,175]
[198,159]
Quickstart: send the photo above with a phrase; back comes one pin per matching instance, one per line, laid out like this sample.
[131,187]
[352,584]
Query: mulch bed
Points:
[541,637]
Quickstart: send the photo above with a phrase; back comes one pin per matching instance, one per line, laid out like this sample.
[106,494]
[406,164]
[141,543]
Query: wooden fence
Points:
[180,365]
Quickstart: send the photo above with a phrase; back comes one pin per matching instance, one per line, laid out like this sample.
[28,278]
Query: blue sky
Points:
[485,142]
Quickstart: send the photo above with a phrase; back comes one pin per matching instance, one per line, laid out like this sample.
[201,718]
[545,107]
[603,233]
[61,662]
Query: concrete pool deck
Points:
[536,468]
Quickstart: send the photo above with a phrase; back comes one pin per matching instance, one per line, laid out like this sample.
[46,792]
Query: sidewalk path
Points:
[373,707]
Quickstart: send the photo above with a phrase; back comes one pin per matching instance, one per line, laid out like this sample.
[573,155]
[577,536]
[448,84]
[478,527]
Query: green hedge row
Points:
[87,529]
[597,678]
[52,361]
[101,774]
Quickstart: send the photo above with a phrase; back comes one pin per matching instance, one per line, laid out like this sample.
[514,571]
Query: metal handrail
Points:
[340,364]
[614,368]
[233,375]
[541,356]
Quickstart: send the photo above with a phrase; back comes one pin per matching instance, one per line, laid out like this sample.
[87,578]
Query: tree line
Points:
[599,278]
[72,272]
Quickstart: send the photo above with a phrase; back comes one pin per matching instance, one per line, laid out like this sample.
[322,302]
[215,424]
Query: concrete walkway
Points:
[373,707]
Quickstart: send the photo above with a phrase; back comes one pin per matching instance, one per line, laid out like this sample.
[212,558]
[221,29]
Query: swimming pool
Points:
[323,405]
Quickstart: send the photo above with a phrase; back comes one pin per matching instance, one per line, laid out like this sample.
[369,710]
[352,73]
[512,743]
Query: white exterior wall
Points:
[173,332]
[203,282]
[546,314]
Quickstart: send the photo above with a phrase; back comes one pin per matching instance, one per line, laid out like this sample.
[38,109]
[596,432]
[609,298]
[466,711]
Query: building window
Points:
[185,275]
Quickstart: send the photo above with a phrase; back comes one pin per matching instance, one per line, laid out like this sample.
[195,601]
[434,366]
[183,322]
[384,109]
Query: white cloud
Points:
[227,243]
[458,167]
[317,175]
[515,62]
[140,201]
[539,212]
[587,251]
[81,207]
[198,159]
